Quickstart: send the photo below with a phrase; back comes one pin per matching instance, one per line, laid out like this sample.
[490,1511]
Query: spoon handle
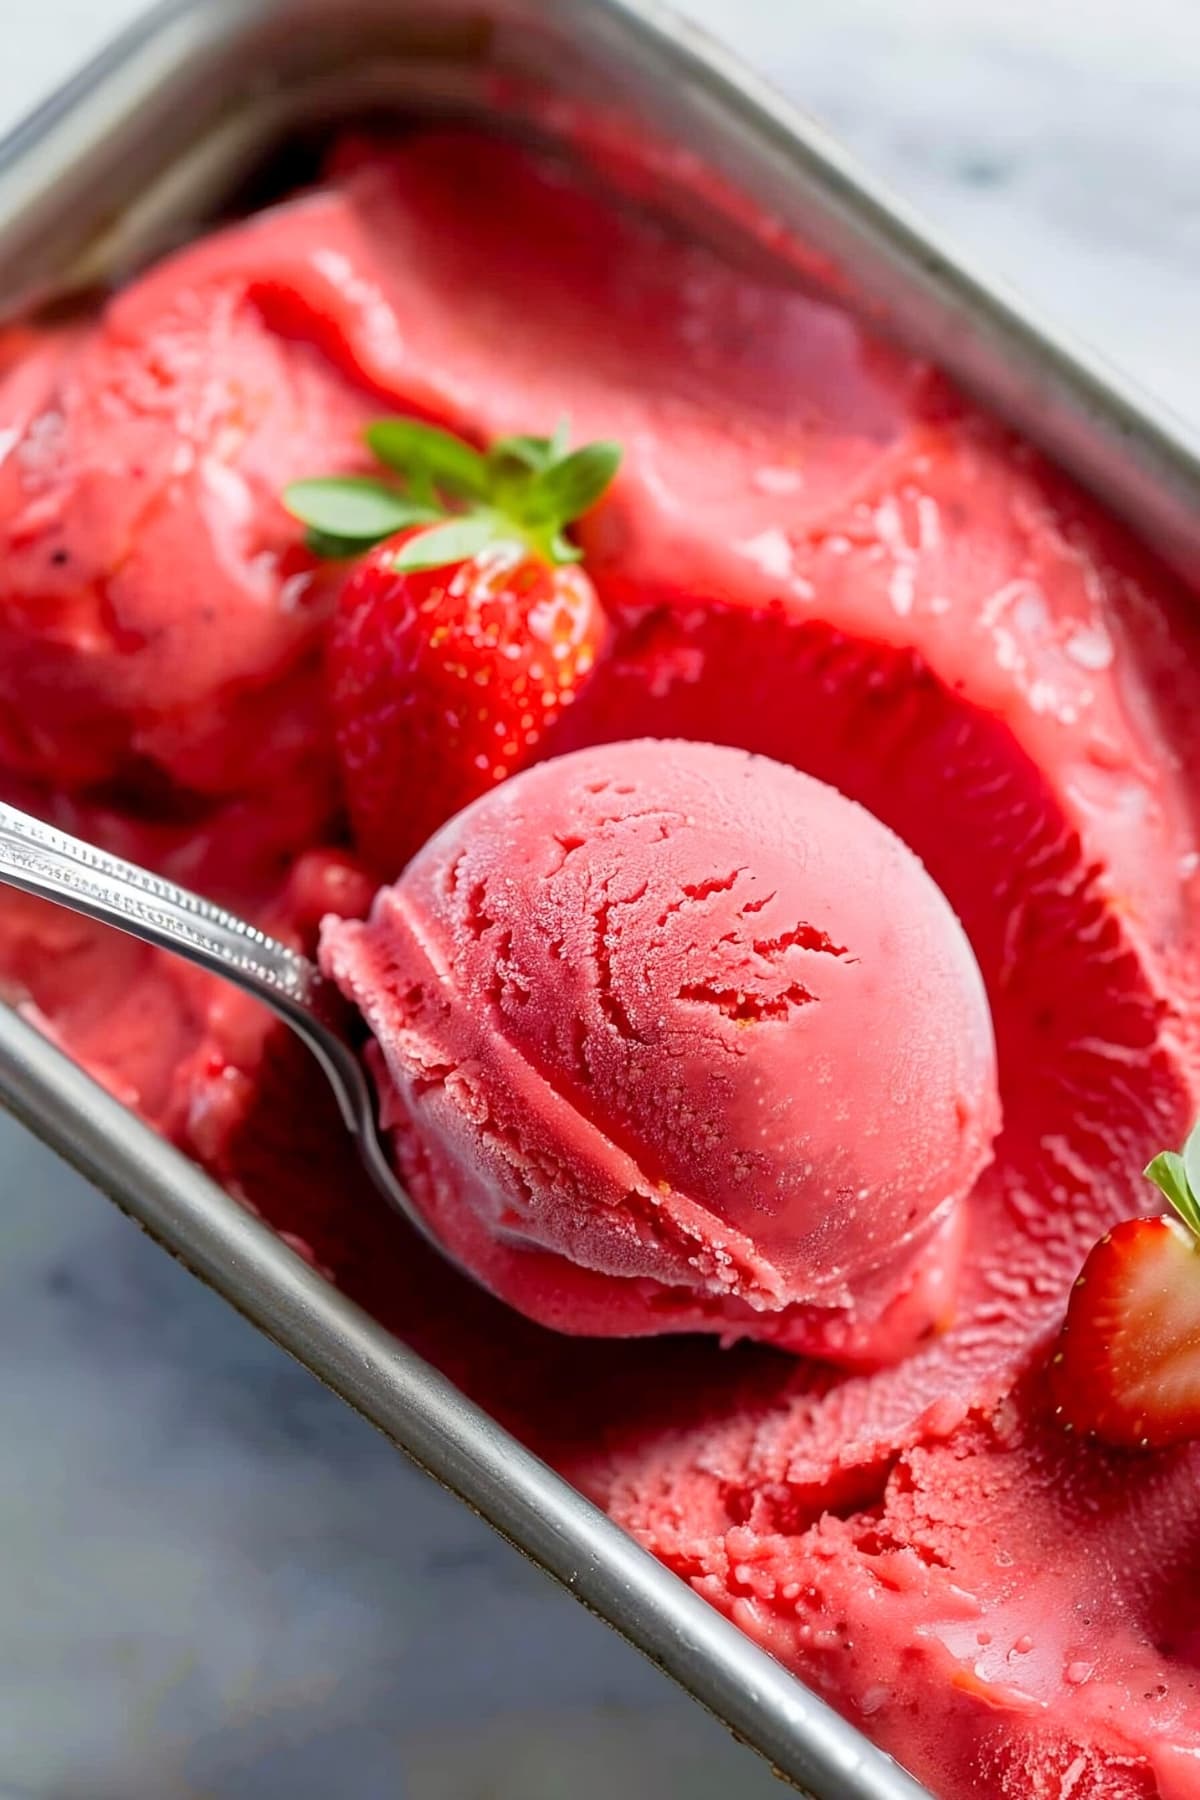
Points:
[50,863]
[42,860]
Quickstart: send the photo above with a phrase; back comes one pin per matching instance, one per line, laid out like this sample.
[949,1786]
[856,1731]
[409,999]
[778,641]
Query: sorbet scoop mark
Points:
[676,1038]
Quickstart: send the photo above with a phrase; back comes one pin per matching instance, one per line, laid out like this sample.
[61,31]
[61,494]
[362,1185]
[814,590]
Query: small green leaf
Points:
[532,453]
[352,509]
[335,549]
[423,451]
[561,550]
[560,442]
[1169,1172]
[572,486]
[1191,1159]
[452,542]
[526,488]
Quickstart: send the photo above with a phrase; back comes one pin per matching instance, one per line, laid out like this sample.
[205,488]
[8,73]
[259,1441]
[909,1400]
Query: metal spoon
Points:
[41,860]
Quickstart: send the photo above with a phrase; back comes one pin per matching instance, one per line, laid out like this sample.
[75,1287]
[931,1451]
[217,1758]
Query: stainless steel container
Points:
[141,149]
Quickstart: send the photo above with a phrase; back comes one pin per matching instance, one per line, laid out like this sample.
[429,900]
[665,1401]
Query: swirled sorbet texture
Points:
[620,1099]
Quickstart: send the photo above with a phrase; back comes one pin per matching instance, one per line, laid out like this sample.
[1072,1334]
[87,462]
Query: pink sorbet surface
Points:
[677,1038]
[817,551]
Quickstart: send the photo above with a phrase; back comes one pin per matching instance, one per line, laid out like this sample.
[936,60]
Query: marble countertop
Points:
[214,1580]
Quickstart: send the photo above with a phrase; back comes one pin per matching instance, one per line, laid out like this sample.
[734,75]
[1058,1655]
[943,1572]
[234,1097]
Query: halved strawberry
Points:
[459,639]
[1127,1365]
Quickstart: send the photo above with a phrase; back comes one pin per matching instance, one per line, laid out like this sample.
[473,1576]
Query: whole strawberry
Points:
[461,635]
[1126,1368]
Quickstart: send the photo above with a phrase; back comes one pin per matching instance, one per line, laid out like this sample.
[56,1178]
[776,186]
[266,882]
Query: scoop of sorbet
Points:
[674,1038]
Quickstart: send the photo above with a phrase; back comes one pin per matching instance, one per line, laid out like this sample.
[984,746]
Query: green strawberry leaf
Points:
[531,453]
[426,455]
[352,509]
[572,486]
[454,541]
[560,549]
[561,441]
[335,549]
[1169,1172]
[525,488]
[1191,1159]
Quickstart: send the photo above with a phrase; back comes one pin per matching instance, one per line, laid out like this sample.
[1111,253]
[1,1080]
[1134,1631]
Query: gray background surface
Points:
[214,1581]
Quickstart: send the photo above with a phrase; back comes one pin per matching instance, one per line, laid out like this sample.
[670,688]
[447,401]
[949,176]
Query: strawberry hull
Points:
[817,551]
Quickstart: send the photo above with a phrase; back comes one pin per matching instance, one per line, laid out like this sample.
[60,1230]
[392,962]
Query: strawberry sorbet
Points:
[815,551]
[676,1038]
